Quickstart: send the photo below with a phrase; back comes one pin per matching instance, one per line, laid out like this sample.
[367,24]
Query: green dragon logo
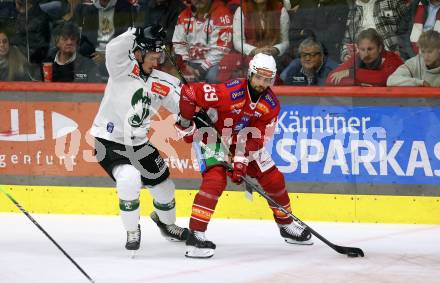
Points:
[140,104]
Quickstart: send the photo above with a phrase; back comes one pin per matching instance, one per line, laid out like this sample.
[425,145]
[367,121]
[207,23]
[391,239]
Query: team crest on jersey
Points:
[140,104]
[224,37]
[269,99]
[235,95]
[232,83]
[257,114]
[188,25]
[160,89]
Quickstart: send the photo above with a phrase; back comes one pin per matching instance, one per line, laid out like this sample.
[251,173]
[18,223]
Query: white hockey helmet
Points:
[263,65]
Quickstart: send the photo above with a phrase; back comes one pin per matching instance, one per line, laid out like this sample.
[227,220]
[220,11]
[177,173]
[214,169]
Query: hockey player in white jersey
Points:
[135,91]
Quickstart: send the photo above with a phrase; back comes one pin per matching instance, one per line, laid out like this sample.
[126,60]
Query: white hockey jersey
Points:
[129,101]
[206,40]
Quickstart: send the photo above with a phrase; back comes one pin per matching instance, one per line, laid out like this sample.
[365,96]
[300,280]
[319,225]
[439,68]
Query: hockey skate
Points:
[133,240]
[197,246]
[295,233]
[171,232]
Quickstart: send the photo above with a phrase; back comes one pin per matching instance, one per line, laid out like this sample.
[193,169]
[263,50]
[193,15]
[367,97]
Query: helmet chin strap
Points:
[141,62]
[255,95]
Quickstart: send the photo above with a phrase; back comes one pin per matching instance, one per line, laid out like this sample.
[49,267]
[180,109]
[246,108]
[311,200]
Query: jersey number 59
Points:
[210,94]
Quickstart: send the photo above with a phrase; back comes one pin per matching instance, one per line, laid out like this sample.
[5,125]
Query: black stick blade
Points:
[350,251]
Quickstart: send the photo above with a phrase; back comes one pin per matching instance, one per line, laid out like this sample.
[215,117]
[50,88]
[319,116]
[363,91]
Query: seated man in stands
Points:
[68,64]
[202,37]
[312,68]
[422,69]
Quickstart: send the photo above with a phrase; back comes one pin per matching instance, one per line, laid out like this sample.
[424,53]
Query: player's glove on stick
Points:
[239,169]
[185,129]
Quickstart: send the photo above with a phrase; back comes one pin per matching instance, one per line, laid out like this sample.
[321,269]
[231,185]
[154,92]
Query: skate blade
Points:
[133,254]
[193,252]
[171,239]
[303,243]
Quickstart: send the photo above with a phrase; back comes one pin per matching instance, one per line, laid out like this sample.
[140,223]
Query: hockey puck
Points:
[351,254]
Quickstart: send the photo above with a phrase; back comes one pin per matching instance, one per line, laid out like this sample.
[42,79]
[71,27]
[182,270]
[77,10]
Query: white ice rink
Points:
[247,251]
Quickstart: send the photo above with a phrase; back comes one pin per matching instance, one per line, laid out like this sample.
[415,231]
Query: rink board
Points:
[232,204]
[47,162]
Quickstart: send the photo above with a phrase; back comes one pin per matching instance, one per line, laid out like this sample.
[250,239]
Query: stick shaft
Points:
[47,234]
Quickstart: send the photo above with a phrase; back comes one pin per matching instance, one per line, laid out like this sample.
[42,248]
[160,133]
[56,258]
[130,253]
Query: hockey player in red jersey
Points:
[244,112]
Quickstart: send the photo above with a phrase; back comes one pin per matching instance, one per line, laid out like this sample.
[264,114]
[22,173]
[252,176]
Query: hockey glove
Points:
[240,167]
[185,129]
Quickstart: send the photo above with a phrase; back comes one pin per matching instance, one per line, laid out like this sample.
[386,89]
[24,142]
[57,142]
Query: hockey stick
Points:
[171,58]
[349,251]
[45,233]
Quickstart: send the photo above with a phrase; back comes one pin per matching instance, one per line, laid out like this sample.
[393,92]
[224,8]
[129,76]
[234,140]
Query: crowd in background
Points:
[314,42]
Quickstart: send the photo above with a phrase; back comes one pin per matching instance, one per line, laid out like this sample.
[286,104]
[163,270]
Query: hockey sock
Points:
[128,184]
[129,211]
[273,183]
[166,211]
[202,210]
[163,201]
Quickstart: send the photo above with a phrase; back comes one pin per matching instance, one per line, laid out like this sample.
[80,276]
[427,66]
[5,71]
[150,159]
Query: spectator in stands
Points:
[13,64]
[202,37]
[325,20]
[8,13]
[382,15]
[424,68]
[265,24]
[371,66]
[99,22]
[32,30]
[68,64]
[423,15]
[312,68]
[54,8]
[163,12]
[69,12]
[295,5]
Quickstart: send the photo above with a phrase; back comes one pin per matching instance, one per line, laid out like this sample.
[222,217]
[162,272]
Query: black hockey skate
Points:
[197,246]
[171,232]
[133,239]
[295,233]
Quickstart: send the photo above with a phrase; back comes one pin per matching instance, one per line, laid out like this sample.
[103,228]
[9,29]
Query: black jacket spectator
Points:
[8,13]
[86,16]
[326,23]
[162,12]
[34,30]
[82,69]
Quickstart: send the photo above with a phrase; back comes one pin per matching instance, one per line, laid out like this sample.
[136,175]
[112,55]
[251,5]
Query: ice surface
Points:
[247,251]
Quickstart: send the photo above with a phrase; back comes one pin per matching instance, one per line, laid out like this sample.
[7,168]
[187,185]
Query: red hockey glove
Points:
[185,129]
[240,167]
